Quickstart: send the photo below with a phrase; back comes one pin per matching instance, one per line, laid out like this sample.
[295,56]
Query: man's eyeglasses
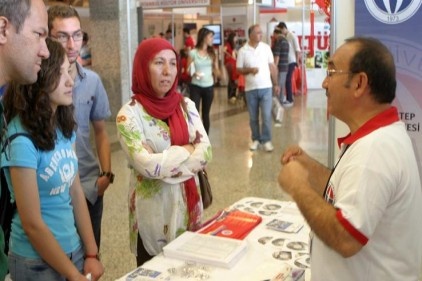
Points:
[331,72]
[64,37]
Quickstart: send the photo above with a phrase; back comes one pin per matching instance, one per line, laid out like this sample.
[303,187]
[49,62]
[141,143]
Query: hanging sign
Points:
[395,24]
[284,4]
[264,3]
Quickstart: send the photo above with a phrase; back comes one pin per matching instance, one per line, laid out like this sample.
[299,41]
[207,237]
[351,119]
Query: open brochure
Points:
[207,249]
[234,224]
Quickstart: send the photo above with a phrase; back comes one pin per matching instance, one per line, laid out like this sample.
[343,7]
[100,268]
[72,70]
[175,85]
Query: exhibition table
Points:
[270,254]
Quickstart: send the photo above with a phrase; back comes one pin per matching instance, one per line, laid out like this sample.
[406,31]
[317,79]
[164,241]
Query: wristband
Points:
[109,175]
[96,256]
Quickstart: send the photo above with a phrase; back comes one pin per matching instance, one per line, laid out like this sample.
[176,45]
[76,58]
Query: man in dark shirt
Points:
[281,60]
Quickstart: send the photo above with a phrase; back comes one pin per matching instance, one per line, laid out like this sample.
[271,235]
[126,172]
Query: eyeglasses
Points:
[331,72]
[64,37]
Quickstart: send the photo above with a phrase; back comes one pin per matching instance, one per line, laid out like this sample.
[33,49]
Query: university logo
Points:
[329,194]
[392,11]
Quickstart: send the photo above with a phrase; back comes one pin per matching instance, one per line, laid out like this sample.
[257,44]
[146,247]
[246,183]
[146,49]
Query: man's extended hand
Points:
[293,175]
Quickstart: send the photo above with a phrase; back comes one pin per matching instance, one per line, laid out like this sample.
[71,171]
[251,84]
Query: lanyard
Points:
[311,234]
[332,171]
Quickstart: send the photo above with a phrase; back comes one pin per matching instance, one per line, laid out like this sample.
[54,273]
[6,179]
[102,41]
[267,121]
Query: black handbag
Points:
[206,192]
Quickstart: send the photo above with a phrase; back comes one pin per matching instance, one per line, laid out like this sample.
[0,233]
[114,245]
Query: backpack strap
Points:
[12,137]
[7,208]
[7,142]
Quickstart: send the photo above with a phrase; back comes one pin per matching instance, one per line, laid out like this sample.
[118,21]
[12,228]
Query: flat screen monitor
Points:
[216,28]
[189,25]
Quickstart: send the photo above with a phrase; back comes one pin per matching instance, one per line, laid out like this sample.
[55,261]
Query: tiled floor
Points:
[235,172]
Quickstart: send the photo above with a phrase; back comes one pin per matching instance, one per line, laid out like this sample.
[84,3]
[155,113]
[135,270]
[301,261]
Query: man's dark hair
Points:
[282,25]
[85,37]
[186,30]
[251,29]
[16,11]
[230,39]
[277,31]
[374,58]
[61,11]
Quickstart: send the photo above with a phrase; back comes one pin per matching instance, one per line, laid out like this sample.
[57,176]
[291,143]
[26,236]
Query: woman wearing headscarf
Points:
[165,143]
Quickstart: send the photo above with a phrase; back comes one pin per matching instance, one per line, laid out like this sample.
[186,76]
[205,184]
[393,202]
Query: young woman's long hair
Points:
[202,34]
[31,103]
[230,40]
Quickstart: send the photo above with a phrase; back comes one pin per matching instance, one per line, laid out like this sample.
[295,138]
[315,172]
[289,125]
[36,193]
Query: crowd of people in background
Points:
[286,54]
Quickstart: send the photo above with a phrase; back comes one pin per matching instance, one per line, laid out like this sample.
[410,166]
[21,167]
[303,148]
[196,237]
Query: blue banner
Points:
[398,24]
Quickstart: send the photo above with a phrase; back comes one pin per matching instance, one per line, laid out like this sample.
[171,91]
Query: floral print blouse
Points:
[157,201]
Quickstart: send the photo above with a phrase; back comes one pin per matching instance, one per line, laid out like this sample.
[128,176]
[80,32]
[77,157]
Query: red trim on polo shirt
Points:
[383,119]
[359,236]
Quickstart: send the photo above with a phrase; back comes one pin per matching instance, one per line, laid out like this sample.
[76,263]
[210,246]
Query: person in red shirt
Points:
[230,63]
[189,43]
[184,77]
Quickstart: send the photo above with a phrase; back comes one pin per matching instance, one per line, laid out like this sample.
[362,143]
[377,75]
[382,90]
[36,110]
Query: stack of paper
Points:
[207,249]
[285,226]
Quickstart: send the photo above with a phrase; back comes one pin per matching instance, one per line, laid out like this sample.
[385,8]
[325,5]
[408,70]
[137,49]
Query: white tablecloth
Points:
[269,252]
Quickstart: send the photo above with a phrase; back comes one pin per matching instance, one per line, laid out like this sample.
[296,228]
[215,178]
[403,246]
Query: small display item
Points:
[282,255]
[297,245]
[272,207]
[144,274]
[279,242]
[264,240]
[303,262]
[284,226]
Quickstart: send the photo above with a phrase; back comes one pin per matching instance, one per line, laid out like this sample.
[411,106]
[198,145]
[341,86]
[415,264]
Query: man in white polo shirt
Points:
[366,212]
[256,62]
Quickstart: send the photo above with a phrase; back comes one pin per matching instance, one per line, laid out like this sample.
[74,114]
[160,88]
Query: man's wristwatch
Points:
[109,175]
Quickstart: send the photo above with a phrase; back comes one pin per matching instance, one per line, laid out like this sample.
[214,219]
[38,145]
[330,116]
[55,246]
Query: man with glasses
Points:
[365,212]
[23,30]
[91,106]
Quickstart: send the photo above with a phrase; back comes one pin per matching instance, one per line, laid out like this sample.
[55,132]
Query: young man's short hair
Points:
[61,11]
